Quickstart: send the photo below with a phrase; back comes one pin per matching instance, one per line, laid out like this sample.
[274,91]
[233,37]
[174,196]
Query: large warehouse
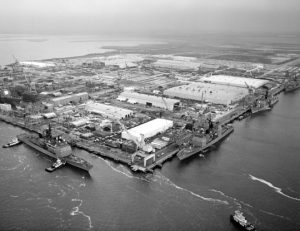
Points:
[151,100]
[76,98]
[212,93]
[148,129]
[235,81]
[176,64]
[108,110]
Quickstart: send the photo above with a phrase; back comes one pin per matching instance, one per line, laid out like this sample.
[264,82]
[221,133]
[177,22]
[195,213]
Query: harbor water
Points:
[255,169]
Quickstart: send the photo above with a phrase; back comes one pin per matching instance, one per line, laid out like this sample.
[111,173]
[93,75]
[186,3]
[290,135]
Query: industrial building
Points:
[148,129]
[235,81]
[75,98]
[5,107]
[177,64]
[79,122]
[208,92]
[108,110]
[149,100]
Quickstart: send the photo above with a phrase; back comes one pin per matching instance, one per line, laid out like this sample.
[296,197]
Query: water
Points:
[255,169]
[36,47]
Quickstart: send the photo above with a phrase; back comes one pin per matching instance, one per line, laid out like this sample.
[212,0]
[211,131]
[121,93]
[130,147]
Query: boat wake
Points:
[124,171]
[237,202]
[21,160]
[159,178]
[276,189]
[275,215]
[76,211]
[169,182]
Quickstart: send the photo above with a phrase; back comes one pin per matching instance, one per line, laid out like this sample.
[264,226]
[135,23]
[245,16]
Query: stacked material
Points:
[148,129]
[108,110]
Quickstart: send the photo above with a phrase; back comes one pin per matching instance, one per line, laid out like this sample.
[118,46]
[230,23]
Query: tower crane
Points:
[31,85]
[250,89]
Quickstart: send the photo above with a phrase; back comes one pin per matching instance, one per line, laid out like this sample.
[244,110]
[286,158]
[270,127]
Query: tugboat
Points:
[238,219]
[13,142]
[58,164]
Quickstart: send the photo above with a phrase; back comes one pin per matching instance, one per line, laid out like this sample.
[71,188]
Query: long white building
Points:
[235,81]
[156,101]
[208,92]
[108,110]
[148,129]
[75,98]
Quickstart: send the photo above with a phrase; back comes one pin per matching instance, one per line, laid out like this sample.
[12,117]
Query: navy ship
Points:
[201,142]
[239,220]
[55,147]
[291,86]
[7,97]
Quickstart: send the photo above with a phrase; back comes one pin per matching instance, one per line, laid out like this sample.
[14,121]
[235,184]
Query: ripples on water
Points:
[199,195]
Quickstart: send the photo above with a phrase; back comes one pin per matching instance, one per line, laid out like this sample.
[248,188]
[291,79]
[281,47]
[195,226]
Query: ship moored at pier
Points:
[56,148]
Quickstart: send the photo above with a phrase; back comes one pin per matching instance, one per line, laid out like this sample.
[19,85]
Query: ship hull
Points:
[241,227]
[256,111]
[184,155]
[291,89]
[69,159]
[10,100]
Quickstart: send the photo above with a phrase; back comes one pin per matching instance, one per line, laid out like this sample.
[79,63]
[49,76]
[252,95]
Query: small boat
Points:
[239,219]
[13,142]
[58,164]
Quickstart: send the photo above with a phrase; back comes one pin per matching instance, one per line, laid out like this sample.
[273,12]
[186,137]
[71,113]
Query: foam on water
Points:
[169,182]
[276,189]
[159,178]
[76,211]
[237,202]
[275,215]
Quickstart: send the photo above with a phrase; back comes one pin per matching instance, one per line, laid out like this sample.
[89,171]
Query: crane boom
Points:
[139,143]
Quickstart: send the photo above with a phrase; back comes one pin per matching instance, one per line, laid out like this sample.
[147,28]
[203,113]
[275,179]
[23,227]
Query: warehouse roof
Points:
[108,110]
[69,96]
[235,81]
[148,129]
[155,100]
[209,92]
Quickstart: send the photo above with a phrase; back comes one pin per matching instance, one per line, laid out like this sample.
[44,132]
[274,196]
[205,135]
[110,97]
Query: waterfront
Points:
[256,168]
[37,47]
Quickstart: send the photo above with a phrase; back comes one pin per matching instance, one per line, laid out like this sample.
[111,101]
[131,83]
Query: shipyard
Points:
[137,108]
[128,115]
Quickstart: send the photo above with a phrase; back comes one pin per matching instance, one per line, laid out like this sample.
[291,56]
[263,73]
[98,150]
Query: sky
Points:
[148,16]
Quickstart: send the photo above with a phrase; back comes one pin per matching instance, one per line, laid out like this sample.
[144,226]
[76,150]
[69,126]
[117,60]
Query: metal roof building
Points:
[212,93]
[153,100]
[76,98]
[148,129]
[108,110]
[235,81]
